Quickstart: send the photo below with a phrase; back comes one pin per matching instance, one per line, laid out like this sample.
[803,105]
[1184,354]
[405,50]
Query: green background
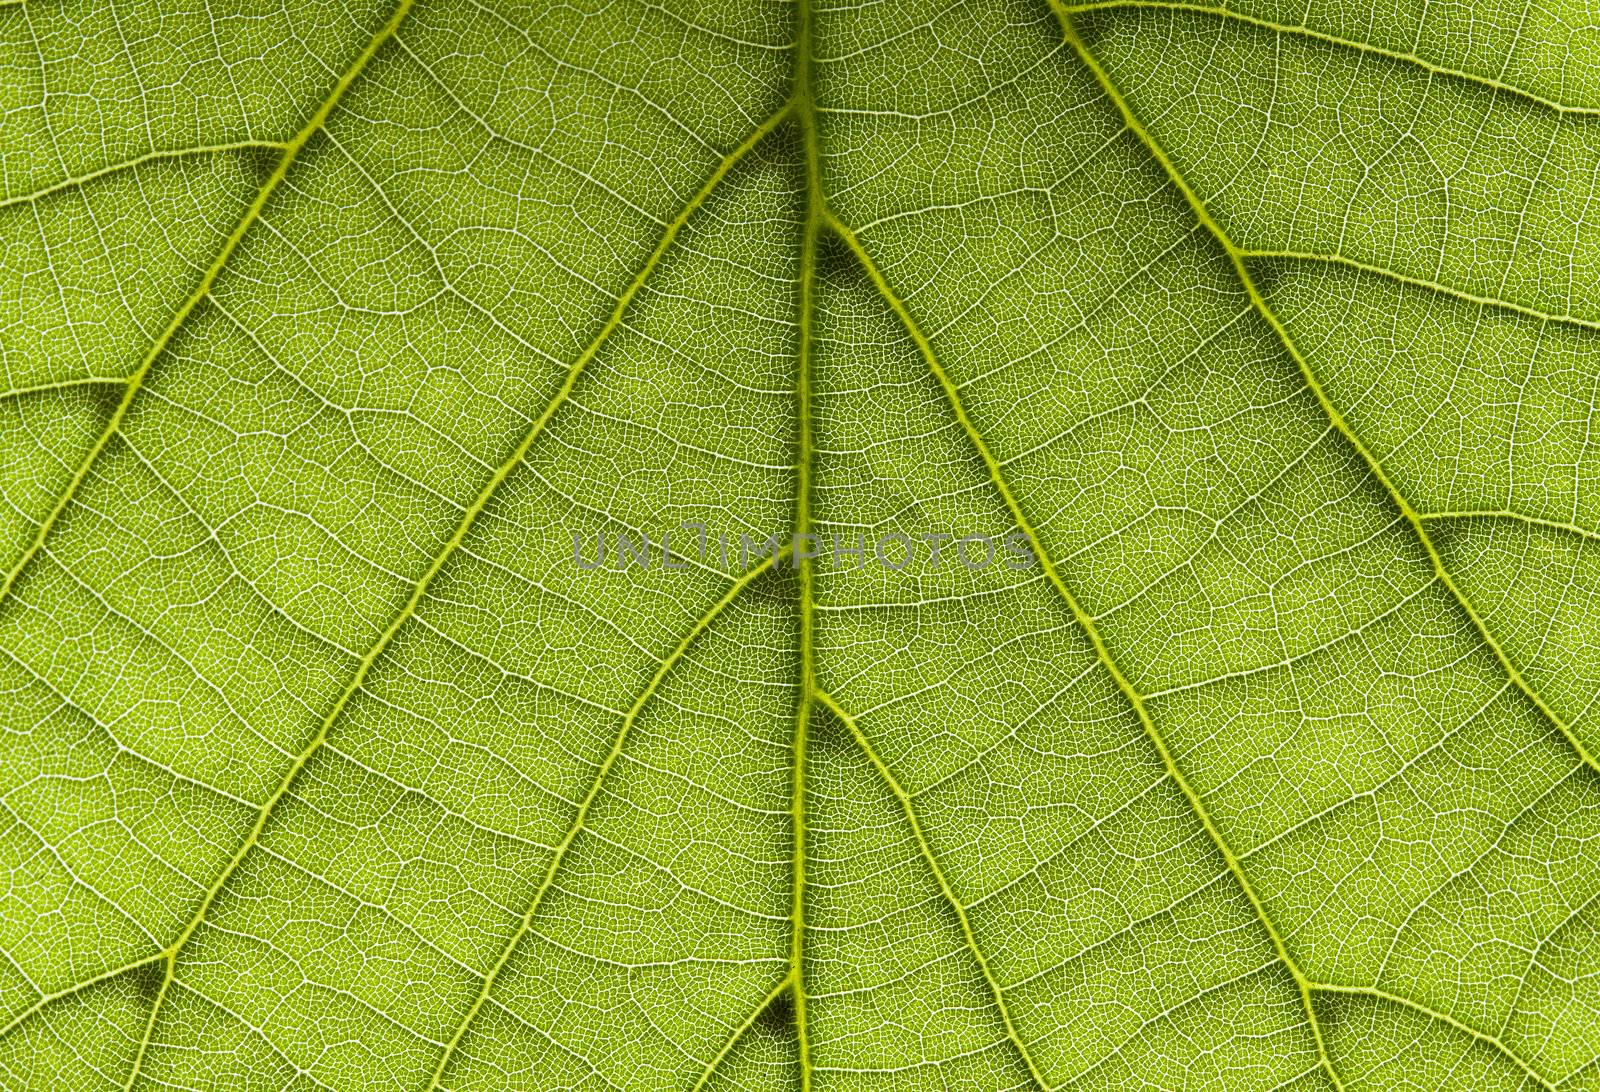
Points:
[324,327]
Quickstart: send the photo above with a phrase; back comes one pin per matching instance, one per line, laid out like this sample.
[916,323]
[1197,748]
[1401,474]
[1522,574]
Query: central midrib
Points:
[805,109]
[818,219]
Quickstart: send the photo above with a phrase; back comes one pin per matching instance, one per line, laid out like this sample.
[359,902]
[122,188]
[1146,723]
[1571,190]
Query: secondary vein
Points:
[139,161]
[722,170]
[1092,632]
[1445,1018]
[252,214]
[739,1032]
[1300,30]
[169,955]
[996,991]
[1512,516]
[1496,303]
[419,590]
[581,818]
[1237,257]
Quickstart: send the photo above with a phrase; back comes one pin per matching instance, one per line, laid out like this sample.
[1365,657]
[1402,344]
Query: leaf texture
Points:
[330,331]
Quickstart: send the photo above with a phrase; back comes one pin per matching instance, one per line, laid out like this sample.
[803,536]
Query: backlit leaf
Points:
[1253,351]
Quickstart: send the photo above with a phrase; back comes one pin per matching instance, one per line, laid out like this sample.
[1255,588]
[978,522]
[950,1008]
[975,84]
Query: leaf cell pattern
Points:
[327,328]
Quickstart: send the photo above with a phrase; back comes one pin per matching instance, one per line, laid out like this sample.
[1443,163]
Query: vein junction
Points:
[814,701]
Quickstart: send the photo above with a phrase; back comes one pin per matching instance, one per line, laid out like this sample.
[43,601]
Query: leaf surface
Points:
[329,332]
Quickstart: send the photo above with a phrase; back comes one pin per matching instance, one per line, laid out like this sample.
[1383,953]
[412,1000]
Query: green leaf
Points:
[329,332]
